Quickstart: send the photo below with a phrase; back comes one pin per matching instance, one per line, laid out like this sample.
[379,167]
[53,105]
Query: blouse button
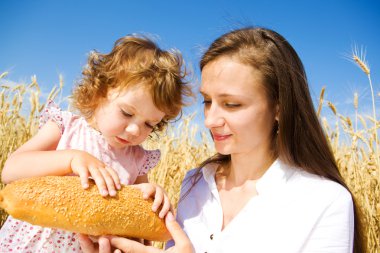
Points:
[212,236]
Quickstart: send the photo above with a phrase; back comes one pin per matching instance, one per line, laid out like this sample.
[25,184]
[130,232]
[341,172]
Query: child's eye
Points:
[126,114]
[149,126]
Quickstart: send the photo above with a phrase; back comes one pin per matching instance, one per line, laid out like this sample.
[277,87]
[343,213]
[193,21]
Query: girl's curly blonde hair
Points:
[134,60]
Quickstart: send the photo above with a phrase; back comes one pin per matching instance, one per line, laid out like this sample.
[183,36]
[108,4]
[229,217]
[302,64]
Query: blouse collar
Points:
[276,176]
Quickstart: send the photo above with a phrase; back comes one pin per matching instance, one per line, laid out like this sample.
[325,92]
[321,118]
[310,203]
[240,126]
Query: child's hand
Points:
[86,165]
[159,195]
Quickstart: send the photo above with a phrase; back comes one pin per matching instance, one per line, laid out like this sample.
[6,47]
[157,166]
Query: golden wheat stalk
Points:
[356,106]
[359,58]
[362,64]
[332,107]
[321,96]
[4,74]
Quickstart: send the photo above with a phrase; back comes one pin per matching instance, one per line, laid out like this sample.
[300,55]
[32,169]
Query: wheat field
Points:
[185,147]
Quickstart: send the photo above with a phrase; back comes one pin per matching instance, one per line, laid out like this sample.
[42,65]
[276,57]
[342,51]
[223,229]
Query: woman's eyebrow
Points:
[222,95]
[202,93]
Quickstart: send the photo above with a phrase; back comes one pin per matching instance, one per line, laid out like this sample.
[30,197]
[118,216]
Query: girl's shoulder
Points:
[53,112]
[145,159]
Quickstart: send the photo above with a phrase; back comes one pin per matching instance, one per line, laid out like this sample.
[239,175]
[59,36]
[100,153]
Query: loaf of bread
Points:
[61,202]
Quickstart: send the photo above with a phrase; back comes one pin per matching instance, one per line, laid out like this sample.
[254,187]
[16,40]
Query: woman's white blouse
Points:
[294,211]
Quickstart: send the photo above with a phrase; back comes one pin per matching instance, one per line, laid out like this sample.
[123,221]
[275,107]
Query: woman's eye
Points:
[231,105]
[206,102]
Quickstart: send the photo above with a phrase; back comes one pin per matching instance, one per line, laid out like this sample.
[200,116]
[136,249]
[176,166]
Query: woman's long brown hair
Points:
[300,140]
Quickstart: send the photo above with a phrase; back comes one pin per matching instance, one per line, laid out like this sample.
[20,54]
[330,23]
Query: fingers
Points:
[86,244]
[161,199]
[158,199]
[131,246]
[182,242]
[165,207]
[115,177]
[83,175]
[85,165]
[104,179]
[99,181]
[109,181]
[104,245]
[147,189]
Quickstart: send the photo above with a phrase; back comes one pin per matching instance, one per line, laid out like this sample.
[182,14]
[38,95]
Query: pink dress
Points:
[20,236]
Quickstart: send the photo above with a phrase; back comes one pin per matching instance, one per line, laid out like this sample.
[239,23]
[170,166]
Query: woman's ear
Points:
[277,113]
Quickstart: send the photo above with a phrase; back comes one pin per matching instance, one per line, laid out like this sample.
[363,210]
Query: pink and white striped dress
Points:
[20,236]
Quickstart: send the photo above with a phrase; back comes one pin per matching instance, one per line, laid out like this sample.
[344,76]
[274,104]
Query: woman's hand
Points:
[86,165]
[118,244]
[160,197]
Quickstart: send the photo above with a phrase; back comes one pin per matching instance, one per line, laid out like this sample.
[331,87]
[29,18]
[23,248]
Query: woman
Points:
[273,185]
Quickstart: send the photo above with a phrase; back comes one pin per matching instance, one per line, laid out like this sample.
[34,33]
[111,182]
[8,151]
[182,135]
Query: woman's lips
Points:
[220,137]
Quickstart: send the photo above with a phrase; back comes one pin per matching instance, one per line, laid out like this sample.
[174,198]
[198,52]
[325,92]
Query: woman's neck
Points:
[249,166]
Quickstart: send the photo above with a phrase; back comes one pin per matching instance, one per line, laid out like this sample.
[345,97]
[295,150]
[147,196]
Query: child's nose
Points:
[133,129]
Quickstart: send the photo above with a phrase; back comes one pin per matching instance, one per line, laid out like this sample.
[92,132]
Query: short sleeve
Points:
[150,160]
[54,113]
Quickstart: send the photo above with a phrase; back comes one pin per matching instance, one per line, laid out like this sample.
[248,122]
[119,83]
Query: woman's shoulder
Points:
[206,172]
[190,178]
[192,172]
[324,189]
[199,179]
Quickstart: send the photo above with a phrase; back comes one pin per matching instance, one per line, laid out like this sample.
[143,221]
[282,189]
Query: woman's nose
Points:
[133,129]
[213,117]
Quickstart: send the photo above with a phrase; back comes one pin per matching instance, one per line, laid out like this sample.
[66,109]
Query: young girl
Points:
[123,97]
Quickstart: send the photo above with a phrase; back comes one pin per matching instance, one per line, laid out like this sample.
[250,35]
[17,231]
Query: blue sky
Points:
[51,37]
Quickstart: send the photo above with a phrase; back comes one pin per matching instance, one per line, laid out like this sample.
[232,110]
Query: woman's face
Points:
[127,118]
[236,108]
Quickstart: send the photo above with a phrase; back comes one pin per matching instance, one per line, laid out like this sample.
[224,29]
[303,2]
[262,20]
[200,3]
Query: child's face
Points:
[127,118]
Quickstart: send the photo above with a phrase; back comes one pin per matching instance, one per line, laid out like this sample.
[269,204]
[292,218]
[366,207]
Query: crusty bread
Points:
[61,202]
